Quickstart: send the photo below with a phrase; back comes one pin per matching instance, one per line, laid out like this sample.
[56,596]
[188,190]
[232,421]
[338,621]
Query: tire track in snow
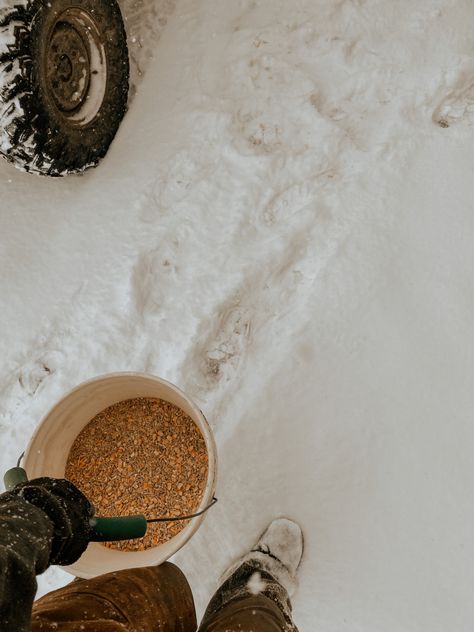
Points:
[307,143]
[270,299]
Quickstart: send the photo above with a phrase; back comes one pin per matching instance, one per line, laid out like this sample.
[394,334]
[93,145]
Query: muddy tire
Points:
[63,82]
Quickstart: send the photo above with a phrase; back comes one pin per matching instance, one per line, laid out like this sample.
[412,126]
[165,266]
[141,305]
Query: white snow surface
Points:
[283,227]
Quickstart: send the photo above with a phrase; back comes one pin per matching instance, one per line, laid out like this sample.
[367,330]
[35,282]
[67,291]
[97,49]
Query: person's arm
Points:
[26,535]
[44,521]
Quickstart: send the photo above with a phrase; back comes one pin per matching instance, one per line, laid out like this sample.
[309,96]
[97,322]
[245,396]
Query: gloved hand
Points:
[69,511]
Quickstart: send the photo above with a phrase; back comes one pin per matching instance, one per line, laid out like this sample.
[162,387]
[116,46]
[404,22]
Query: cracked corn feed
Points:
[141,456]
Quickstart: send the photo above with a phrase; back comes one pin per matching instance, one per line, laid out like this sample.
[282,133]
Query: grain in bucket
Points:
[141,455]
[53,441]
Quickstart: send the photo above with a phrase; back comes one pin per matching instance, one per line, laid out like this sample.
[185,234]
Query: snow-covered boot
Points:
[268,571]
[278,552]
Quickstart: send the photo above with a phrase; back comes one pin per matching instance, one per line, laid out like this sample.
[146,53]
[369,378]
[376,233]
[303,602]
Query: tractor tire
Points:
[64,74]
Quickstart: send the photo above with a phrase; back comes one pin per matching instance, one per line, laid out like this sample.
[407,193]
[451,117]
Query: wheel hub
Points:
[68,66]
[74,73]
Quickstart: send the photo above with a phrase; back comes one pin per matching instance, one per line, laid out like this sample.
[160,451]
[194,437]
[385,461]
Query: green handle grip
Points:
[102,529]
[14,477]
[120,528]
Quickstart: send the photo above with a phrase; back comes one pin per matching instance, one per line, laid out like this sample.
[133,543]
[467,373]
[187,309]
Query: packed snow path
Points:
[284,228]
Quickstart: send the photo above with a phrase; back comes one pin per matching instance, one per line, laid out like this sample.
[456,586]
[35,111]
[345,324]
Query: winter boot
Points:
[278,552]
[255,591]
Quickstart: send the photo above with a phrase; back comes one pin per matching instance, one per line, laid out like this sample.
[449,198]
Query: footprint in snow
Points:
[219,350]
[458,105]
[33,375]
[225,345]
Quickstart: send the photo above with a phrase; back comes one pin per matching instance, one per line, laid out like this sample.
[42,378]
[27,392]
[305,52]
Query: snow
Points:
[255,584]
[283,227]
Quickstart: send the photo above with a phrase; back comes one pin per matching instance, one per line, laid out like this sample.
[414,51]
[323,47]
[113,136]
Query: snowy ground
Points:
[284,228]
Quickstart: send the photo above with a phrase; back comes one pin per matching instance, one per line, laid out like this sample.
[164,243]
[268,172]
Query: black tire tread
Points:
[23,142]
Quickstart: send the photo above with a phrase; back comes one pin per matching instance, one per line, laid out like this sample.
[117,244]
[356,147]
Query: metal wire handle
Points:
[213,502]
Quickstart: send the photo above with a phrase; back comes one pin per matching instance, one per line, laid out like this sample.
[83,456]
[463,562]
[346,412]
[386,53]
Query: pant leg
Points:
[151,599]
[251,600]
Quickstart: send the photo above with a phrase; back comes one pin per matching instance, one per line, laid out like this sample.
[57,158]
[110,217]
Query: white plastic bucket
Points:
[49,447]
